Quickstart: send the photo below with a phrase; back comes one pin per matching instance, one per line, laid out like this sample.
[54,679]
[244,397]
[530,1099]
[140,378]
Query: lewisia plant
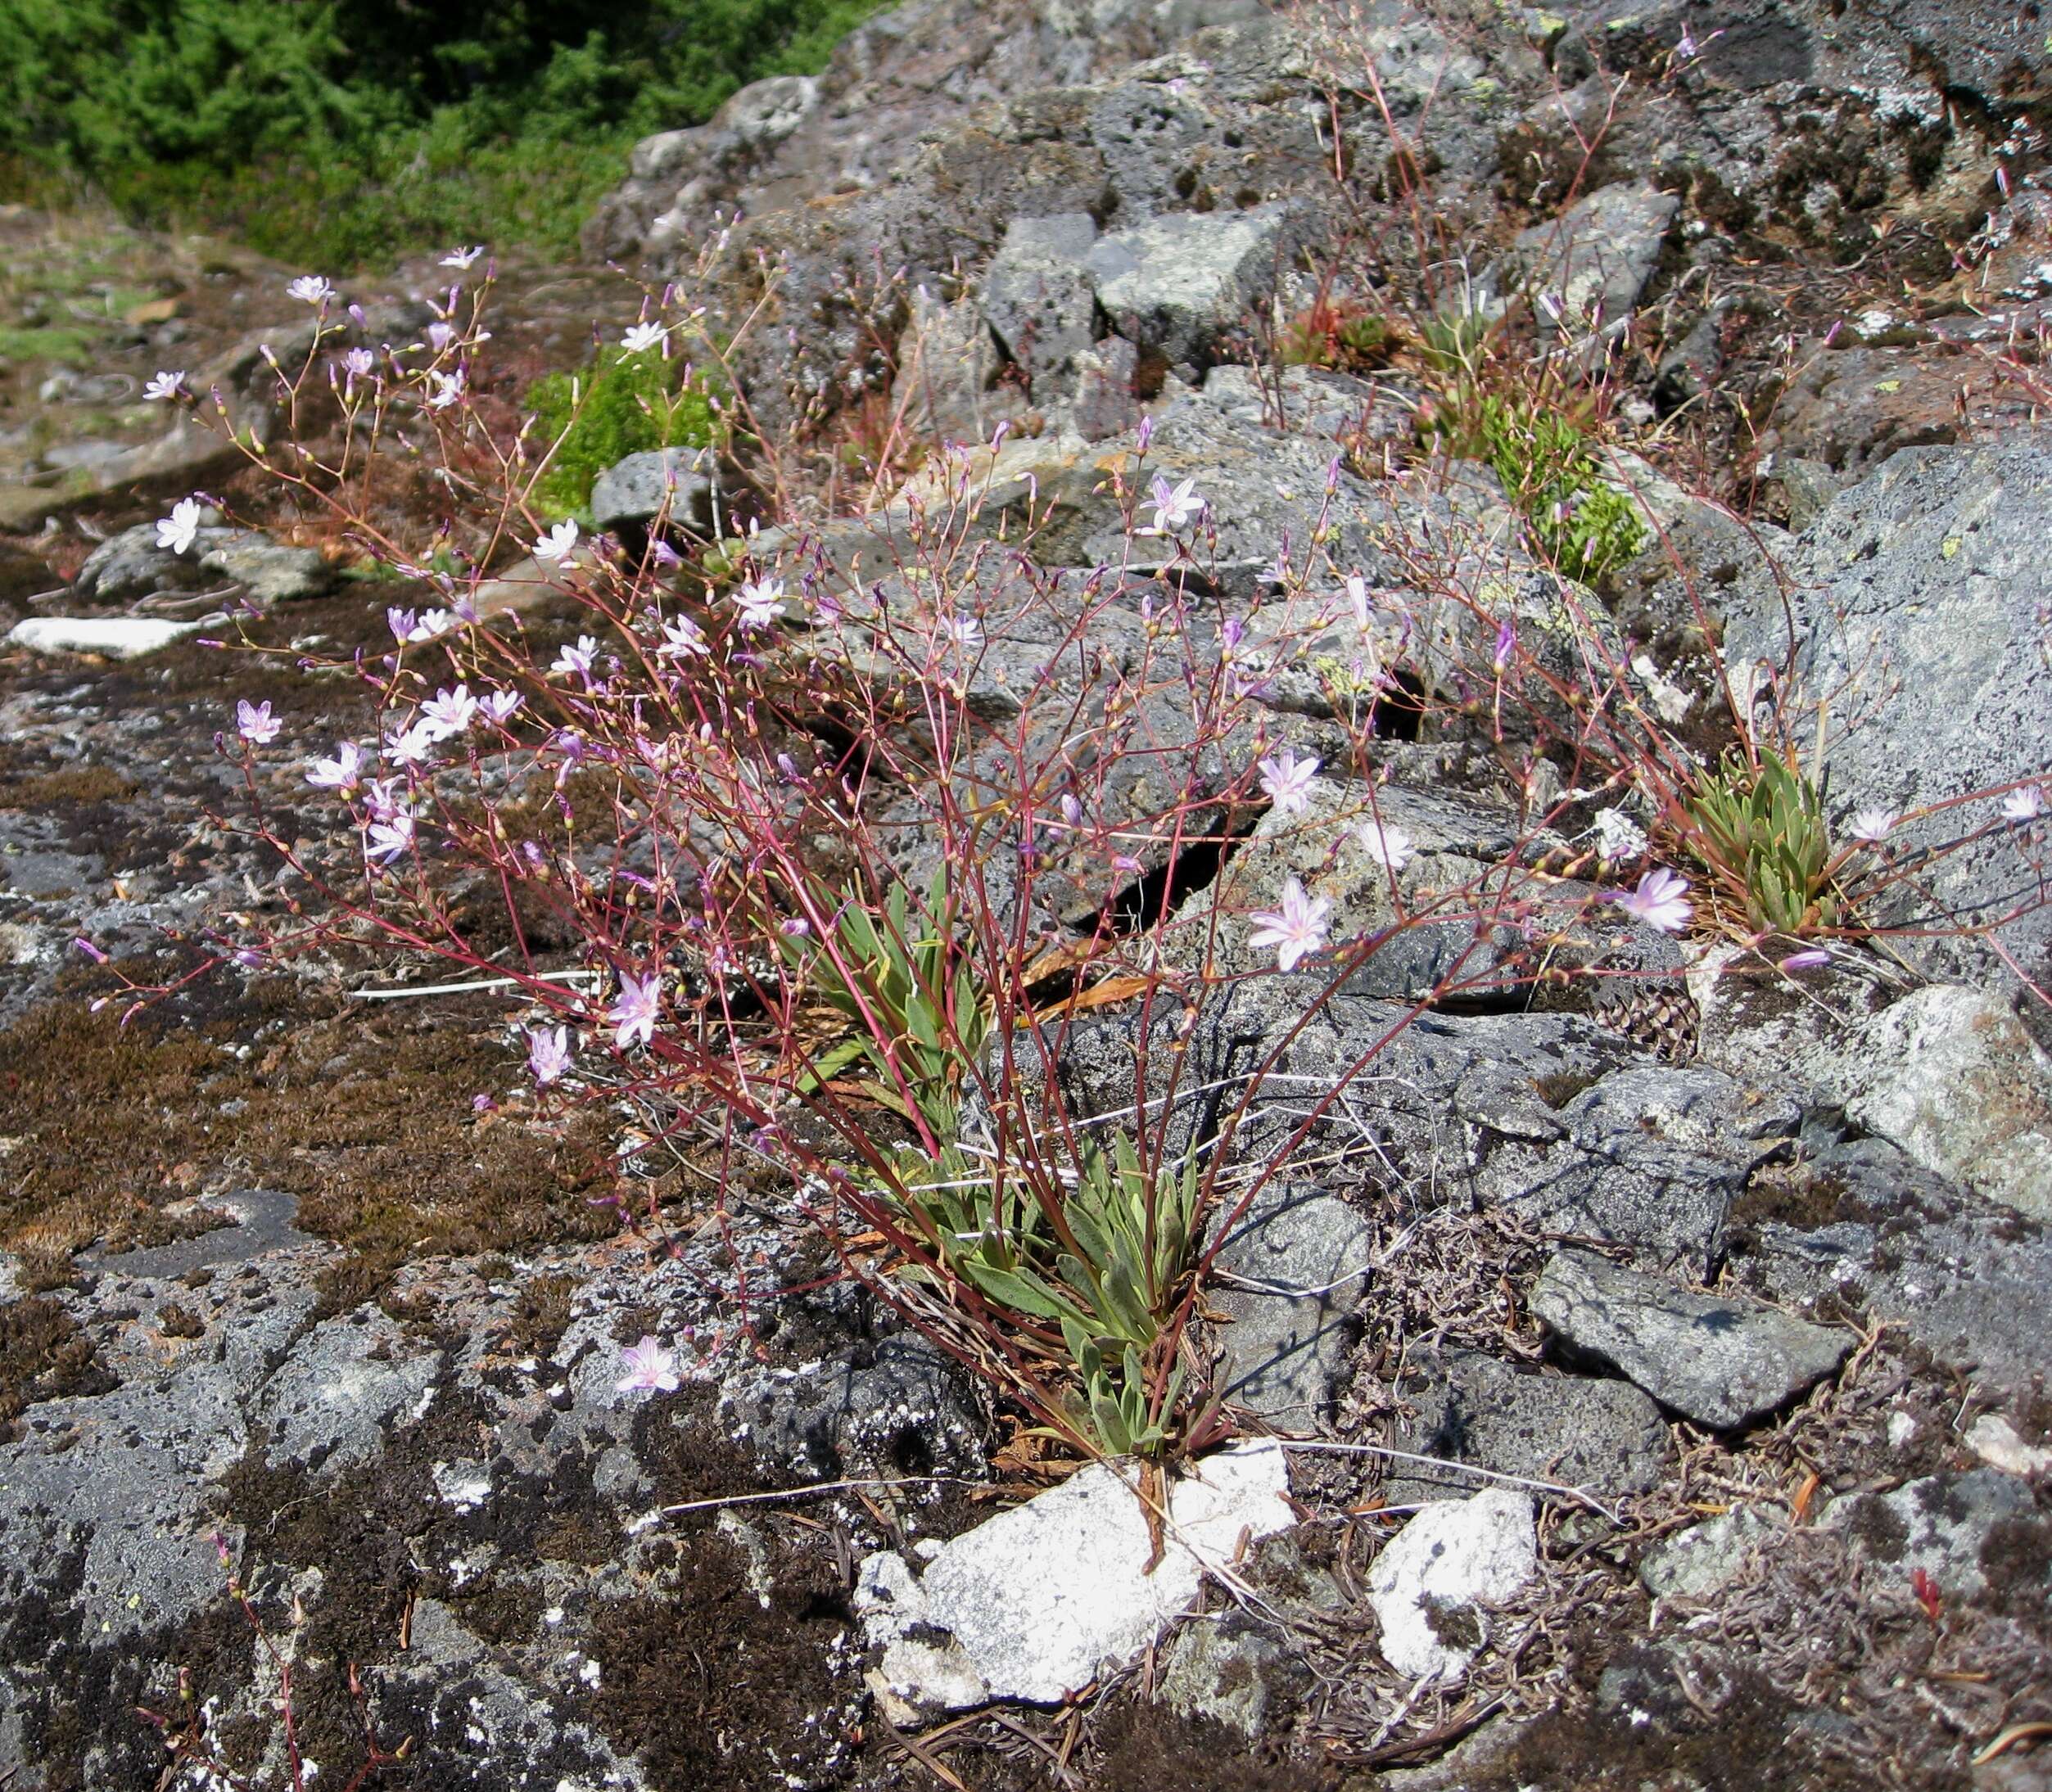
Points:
[840,860]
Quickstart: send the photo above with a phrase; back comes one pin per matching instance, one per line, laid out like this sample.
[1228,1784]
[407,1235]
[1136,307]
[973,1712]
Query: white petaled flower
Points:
[434,625]
[449,388]
[341,773]
[164,387]
[1358,595]
[559,543]
[311,288]
[1287,780]
[1872,826]
[682,639]
[411,745]
[1388,846]
[575,661]
[386,841]
[463,258]
[2024,805]
[448,713]
[440,336]
[962,631]
[1660,900]
[255,723]
[649,1366]
[181,529]
[758,601]
[1175,506]
[641,336]
[1295,929]
[1618,837]
[500,705]
[384,797]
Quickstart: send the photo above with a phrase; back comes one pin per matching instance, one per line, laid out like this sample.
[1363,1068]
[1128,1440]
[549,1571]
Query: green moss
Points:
[1548,469]
[624,404]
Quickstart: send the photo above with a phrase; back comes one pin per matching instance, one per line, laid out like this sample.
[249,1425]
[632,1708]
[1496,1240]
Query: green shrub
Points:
[626,404]
[1549,471]
[332,131]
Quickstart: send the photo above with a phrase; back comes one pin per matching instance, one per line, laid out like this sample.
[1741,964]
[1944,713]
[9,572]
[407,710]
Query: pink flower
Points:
[1505,643]
[165,387]
[549,1052]
[1287,780]
[387,839]
[1660,900]
[449,713]
[758,600]
[559,543]
[649,1366]
[636,1009]
[1871,826]
[341,773]
[577,660]
[181,529]
[411,745]
[681,639]
[499,706]
[1813,958]
[384,799]
[964,631]
[1358,595]
[1175,506]
[1296,930]
[255,723]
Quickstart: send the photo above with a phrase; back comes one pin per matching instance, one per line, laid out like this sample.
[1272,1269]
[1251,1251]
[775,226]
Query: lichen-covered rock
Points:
[1719,1360]
[1915,605]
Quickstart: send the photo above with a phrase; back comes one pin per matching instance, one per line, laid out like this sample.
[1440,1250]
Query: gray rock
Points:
[948,367]
[1606,1436]
[268,571]
[1212,1673]
[867,1408]
[345,1387]
[1722,1362]
[131,565]
[1038,301]
[1695,1563]
[1859,1226]
[1176,284]
[1594,260]
[1548,1116]
[1941,1524]
[640,489]
[1297,1263]
[1914,602]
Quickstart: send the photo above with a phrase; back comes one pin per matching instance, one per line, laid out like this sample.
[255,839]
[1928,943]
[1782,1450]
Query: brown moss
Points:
[541,1312]
[1147,1748]
[72,784]
[43,1355]
[367,1119]
[714,1689]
